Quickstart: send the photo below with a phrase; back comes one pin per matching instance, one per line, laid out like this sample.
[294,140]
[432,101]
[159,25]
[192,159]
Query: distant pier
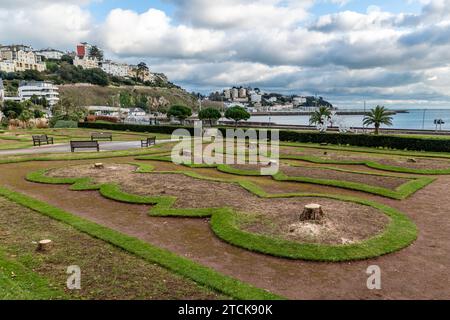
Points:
[307,113]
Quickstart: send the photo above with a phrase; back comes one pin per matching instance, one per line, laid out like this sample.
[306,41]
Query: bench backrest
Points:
[40,137]
[101,135]
[151,138]
[84,144]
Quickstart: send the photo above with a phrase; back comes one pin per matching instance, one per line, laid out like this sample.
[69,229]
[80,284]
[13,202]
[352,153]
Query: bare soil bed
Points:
[345,222]
[398,161]
[420,163]
[323,173]
[373,180]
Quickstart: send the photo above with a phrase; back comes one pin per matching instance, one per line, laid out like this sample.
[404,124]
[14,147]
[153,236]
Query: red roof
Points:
[81,51]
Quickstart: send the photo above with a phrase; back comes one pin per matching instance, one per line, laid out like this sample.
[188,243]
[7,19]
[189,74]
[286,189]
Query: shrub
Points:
[237,113]
[209,114]
[65,124]
[180,112]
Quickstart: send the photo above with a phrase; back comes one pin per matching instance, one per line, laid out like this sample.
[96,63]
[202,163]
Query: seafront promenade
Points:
[273,125]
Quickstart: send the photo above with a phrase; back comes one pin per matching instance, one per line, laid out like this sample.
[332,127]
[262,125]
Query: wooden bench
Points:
[101,136]
[84,145]
[42,139]
[150,141]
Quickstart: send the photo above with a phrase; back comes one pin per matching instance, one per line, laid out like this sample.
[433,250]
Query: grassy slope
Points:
[101,96]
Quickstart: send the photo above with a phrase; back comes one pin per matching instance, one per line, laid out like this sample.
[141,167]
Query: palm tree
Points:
[319,115]
[377,117]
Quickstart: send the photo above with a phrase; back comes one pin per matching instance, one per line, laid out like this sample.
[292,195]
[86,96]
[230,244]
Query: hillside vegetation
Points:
[90,95]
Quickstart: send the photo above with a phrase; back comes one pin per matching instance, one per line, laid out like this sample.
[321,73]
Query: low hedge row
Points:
[365,140]
[132,127]
[362,140]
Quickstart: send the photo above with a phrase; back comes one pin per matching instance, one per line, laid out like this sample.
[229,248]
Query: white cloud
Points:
[153,34]
[50,23]
[240,14]
[267,43]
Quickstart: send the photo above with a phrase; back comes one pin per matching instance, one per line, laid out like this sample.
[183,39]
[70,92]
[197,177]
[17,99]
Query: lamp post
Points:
[364,127]
[423,119]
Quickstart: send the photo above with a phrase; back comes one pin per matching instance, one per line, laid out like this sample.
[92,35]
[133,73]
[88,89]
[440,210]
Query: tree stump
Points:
[312,212]
[99,166]
[412,160]
[272,162]
[44,245]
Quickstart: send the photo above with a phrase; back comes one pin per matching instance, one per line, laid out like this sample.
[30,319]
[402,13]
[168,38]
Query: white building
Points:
[234,93]
[299,100]
[227,93]
[242,93]
[115,69]
[17,58]
[137,112]
[86,63]
[108,111]
[7,66]
[232,104]
[40,89]
[82,58]
[256,98]
[50,54]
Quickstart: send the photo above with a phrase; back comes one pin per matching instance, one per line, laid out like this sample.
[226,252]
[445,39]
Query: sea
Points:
[411,119]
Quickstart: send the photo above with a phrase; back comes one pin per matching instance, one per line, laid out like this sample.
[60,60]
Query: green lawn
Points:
[20,283]
[21,138]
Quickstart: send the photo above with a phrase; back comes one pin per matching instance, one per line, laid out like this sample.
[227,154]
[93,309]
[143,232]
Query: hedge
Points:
[132,127]
[65,124]
[361,140]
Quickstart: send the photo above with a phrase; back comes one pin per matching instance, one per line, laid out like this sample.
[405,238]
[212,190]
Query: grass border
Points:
[169,260]
[385,151]
[20,283]
[400,193]
[399,233]
[370,164]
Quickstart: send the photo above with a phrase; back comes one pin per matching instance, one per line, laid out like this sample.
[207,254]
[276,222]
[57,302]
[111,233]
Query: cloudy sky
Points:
[394,52]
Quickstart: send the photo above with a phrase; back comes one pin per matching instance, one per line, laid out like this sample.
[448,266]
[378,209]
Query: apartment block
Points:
[17,58]
[41,89]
